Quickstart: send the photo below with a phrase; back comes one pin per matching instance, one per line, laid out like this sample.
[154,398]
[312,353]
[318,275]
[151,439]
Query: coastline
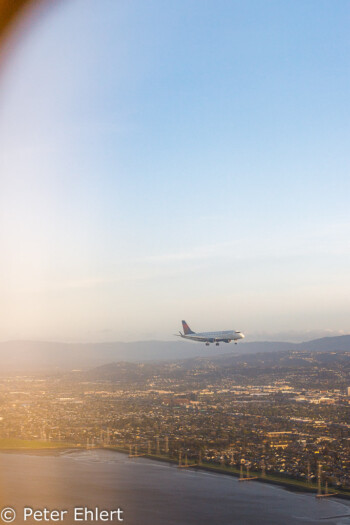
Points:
[55,449]
[289,484]
[153,493]
[28,446]
[52,451]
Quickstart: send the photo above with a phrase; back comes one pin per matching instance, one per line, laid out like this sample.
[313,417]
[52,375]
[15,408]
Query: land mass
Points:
[37,356]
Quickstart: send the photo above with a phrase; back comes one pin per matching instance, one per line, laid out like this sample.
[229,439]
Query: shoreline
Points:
[48,451]
[289,484]
[12,445]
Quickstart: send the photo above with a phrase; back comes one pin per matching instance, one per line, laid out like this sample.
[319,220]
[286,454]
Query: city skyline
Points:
[185,163]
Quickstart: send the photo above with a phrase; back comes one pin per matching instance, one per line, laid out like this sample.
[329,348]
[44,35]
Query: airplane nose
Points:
[242,335]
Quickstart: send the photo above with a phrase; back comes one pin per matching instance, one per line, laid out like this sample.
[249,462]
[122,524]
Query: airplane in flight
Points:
[211,337]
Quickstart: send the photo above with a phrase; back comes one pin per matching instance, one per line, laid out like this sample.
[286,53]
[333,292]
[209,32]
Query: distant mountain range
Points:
[303,367]
[31,356]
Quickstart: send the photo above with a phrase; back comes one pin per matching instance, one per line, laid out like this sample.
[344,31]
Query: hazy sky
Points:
[177,160]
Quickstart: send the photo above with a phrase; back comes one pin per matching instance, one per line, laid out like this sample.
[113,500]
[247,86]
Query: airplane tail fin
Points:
[187,329]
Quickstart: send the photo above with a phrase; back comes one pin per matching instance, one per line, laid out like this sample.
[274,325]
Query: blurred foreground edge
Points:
[11,13]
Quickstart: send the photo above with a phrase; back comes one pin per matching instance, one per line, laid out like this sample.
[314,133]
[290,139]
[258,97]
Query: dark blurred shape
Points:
[11,13]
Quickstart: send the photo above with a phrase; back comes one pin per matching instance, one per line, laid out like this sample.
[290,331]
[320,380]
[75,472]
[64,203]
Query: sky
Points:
[162,161]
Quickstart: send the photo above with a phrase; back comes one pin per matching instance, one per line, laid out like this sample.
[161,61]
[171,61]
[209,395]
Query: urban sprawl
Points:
[282,414]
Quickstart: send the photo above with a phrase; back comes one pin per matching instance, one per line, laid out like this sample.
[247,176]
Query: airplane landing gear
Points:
[207,344]
[217,344]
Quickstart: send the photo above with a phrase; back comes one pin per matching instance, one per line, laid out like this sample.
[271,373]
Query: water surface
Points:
[152,493]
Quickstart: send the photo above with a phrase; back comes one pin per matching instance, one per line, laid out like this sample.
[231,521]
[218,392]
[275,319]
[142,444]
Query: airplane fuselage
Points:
[225,336]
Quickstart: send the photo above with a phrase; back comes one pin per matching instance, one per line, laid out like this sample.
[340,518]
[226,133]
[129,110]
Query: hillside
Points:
[32,357]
